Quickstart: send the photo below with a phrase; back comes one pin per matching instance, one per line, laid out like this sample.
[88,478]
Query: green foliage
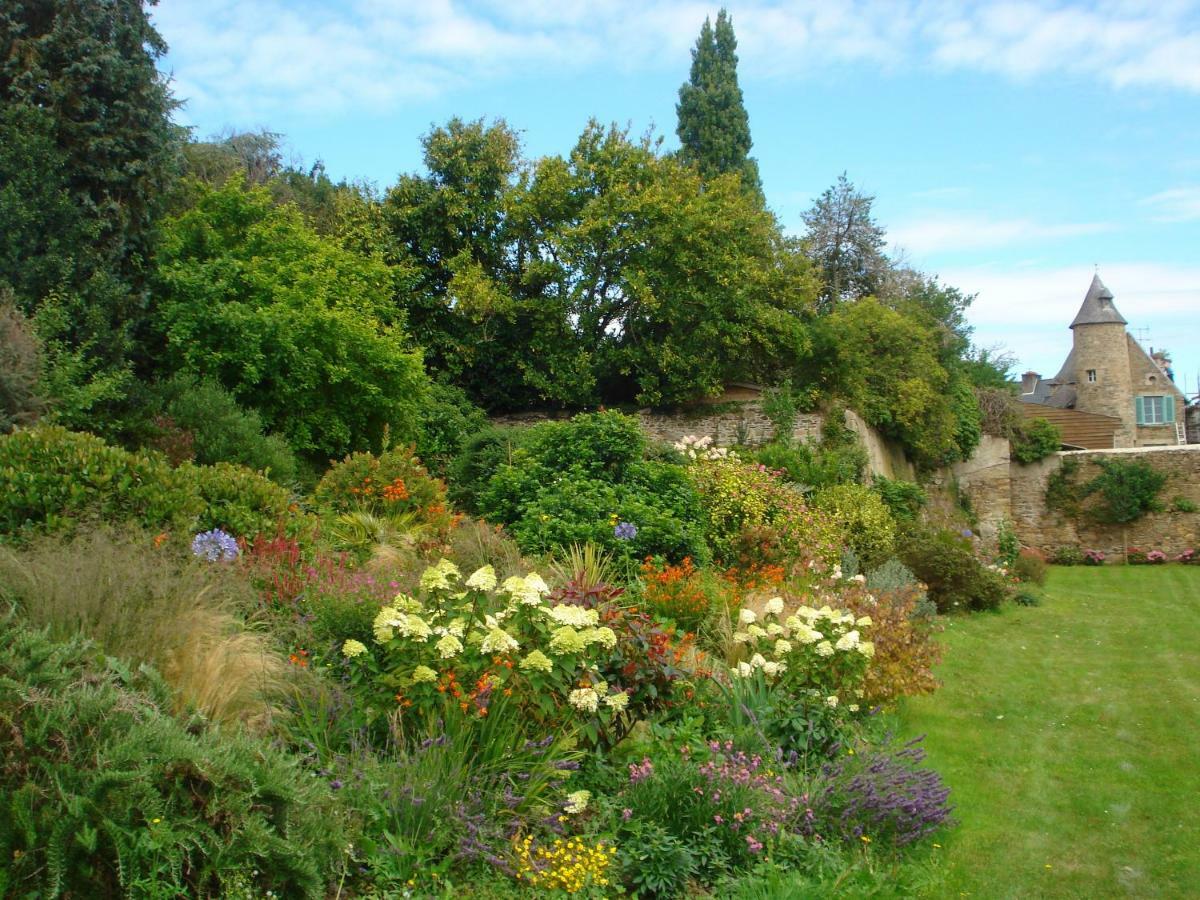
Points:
[572,482]
[1035,439]
[714,129]
[945,562]
[1030,567]
[87,150]
[220,430]
[447,420]
[21,401]
[654,861]
[482,455]
[864,518]
[1125,490]
[1062,491]
[1183,505]
[290,323]
[968,416]
[237,500]
[815,466]
[1008,546]
[845,244]
[1067,555]
[905,499]
[104,794]
[51,479]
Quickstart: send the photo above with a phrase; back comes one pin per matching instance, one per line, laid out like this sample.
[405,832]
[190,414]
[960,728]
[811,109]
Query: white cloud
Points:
[251,58]
[1181,204]
[949,233]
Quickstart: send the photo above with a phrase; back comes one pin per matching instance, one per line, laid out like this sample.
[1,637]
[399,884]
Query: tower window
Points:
[1091,375]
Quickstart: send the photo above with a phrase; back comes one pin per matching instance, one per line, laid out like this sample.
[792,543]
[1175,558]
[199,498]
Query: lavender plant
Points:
[881,796]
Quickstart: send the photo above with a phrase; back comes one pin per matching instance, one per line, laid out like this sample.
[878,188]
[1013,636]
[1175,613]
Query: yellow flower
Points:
[423,673]
[482,579]
[537,661]
[352,648]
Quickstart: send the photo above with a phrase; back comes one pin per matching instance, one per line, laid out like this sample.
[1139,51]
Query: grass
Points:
[1069,735]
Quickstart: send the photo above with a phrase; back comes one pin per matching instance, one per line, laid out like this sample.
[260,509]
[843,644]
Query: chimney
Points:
[1029,381]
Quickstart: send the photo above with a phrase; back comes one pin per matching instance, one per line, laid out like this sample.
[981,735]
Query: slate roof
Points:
[1098,306]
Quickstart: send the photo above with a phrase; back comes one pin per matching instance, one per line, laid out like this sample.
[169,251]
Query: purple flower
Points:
[215,546]
[625,531]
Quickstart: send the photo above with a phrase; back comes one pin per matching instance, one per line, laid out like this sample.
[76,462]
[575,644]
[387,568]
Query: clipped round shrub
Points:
[1035,440]
[238,500]
[481,457]
[392,482]
[864,518]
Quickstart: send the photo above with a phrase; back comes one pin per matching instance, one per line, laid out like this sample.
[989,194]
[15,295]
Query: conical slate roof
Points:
[1098,306]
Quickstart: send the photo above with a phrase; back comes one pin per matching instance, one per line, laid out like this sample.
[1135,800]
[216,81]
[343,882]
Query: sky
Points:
[1013,148]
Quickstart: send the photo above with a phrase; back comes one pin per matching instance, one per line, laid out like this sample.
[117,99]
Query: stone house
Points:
[1109,393]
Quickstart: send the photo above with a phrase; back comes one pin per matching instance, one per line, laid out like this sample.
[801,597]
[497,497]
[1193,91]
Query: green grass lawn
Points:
[1069,734]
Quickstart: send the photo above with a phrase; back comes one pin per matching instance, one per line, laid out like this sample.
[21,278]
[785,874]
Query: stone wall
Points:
[985,478]
[1170,531]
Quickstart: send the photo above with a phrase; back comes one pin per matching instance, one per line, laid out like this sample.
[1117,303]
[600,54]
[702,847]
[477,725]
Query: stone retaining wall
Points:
[1169,531]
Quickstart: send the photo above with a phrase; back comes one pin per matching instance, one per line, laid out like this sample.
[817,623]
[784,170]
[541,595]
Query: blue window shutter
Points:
[1140,409]
[1169,409]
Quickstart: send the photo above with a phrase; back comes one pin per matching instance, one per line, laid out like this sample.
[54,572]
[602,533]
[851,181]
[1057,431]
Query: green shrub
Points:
[393,482]
[946,563]
[1183,505]
[815,466]
[1008,547]
[21,401]
[104,794]
[1030,567]
[864,519]
[1035,439]
[905,499]
[238,500]
[1062,491]
[483,453]
[448,418]
[1067,555]
[221,431]
[572,482]
[50,478]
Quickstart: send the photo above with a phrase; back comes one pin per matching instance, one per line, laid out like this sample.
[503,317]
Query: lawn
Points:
[1070,736]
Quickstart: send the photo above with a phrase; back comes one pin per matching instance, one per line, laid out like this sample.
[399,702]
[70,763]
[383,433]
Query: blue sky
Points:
[1011,146]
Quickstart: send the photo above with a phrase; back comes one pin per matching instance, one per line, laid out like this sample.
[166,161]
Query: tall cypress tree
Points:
[714,129]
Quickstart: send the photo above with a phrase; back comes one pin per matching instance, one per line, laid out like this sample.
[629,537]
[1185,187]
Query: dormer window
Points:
[1091,373]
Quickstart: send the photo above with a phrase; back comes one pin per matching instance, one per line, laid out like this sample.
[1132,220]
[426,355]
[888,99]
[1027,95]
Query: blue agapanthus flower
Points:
[625,531]
[215,546]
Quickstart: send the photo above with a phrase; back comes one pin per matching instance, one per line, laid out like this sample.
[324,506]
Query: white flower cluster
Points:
[588,699]
[701,448]
[779,640]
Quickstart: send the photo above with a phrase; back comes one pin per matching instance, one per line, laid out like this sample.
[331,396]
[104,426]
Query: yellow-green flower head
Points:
[423,673]
[848,641]
[756,631]
[440,577]
[536,583]
[774,629]
[386,620]
[618,701]
[864,622]
[793,623]
[577,616]
[482,579]
[771,669]
[825,649]
[566,640]
[757,661]
[499,641]
[831,701]
[405,603]
[604,636]
[352,648]
[867,649]
[806,634]
[413,626]
[584,699]
[537,661]
[522,591]
[775,606]
[807,612]
[577,802]
[782,647]
[746,616]
[449,647]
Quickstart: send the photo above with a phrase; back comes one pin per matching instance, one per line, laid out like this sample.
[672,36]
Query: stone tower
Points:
[1100,360]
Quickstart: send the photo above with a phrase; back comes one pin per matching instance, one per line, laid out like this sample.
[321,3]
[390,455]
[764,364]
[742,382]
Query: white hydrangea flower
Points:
[743,669]
[864,622]
[449,647]
[853,707]
[584,699]
[806,634]
[575,616]
[775,606]
[618,701]
[482,579]
[577,802]
[867,649]
[824,649]
[604,636]
[848,641]
[499,641]
[352,648]
[770,669]
[793,623]
[756,632]
[423,673]
[757,661]
[831,701]
[782,647]
[746,616]
[774,629]
[535,583]
[740,637]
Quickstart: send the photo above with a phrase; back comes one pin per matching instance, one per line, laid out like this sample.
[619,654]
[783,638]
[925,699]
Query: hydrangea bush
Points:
[457,642]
